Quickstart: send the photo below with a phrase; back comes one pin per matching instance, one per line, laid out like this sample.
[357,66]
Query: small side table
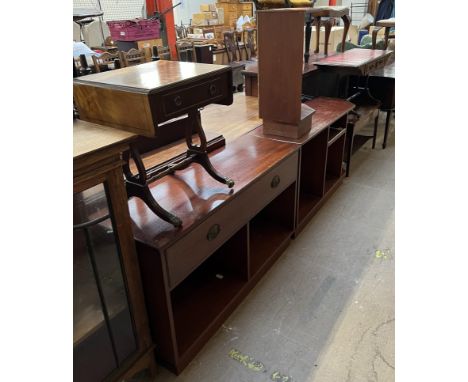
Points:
[316,14]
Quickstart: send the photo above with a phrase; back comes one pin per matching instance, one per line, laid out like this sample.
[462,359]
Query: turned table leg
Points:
[387,125]
[138,185]
[308,35]
[376,124]
[349,145]
[387,34]
[328,26]
[374,36]
[347,22]
[317,29]
[199,152]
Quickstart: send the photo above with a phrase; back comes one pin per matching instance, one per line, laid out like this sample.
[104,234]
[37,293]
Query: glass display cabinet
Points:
[111,339]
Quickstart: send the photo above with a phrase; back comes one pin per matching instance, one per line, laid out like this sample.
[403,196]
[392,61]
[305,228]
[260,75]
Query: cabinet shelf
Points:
[266,237]
[307,202]
[271,229]
[334,135]
[205,294]
[331,180]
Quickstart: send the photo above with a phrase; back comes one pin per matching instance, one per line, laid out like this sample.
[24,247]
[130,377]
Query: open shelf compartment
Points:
[204,295]
[312,174]
[271,229]
[335,170]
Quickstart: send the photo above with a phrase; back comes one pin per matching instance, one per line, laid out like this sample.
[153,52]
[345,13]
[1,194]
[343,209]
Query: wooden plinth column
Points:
[280,46]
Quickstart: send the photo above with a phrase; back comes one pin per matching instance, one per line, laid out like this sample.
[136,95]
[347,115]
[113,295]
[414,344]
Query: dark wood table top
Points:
[324,11]
[193,195]
[89,138]
[357,61]
[352,58]
[153,76]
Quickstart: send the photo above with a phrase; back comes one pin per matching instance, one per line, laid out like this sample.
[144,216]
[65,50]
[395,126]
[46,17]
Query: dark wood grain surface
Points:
[327,111]
[193,195]
[353,58]
[280,81]
[152,76]
[90,137]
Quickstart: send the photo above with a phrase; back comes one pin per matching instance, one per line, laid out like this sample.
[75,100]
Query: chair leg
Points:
[317,39]
[376,124]
[387,34]
[347,23]
[328,26]
[374,36]
[387,125]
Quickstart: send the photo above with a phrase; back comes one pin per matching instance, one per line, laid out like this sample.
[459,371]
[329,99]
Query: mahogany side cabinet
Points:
[196,275]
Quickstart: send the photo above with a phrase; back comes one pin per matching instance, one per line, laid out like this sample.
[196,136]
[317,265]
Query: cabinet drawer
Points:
[189,252]
[177,101]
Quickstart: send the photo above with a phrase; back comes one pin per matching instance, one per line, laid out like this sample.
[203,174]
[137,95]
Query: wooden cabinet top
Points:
[357,61]
[193,195]
[90,138]
[96,150]
[153,76]
[327,111]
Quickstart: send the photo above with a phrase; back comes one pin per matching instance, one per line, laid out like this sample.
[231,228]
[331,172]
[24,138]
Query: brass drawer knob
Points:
[213,89]
[275,181]
[213,232]
[178,100]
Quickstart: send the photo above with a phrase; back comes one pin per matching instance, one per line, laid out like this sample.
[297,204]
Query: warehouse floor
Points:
[325,311]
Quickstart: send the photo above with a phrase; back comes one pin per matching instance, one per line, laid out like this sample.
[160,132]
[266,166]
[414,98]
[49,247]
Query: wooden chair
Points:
[231,46]
[387,24]
[133,57]
[80,66]
[106,61]
[234,58]
[328,14]
[316,15]
[162,53]
[181,32]
[186,51]
[250,43]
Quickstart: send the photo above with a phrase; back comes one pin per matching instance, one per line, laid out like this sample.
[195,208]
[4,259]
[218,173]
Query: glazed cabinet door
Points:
[104,333]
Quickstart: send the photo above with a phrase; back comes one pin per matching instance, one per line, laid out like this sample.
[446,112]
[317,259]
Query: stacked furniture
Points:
[201,246]
[195,276]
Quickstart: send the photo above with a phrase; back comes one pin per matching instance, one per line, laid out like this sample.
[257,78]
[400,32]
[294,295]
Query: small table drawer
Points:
[178,101]
[189,252]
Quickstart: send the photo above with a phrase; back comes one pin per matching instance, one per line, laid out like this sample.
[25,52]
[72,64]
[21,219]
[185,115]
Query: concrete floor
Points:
[325,311]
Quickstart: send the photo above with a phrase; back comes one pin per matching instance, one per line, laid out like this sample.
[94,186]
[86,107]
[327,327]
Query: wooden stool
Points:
[315,15]
[387,24]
